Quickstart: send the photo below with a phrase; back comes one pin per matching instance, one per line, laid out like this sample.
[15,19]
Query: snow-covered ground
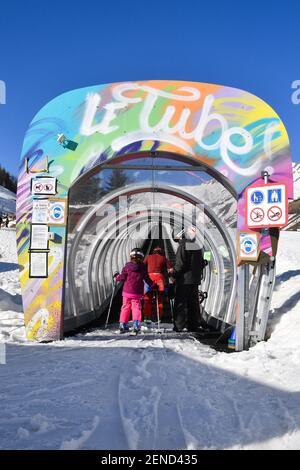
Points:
[103,391]
[11,311]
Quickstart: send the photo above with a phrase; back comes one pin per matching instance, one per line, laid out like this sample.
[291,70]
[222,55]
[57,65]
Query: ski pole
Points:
[110,303]
[157,309]
[172,309]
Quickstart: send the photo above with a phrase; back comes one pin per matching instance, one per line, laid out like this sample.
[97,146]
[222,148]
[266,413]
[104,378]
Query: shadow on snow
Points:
[134,398]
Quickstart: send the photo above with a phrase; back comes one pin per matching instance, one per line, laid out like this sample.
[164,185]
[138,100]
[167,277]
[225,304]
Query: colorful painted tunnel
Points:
[111,167]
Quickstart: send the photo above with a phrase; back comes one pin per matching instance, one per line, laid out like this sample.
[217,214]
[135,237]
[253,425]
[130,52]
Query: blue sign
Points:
[57,212]
[274,196]
[248,246]
[257,197]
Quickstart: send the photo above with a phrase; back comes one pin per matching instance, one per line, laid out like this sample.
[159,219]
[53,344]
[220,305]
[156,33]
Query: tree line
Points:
[7,180]
[92,189]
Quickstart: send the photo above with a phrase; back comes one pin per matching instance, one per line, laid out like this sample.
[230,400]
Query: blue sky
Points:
[49,47]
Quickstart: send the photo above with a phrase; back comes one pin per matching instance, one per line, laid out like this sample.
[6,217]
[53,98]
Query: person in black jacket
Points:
[188,272]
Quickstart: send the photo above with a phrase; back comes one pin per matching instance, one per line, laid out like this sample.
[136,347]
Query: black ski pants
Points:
[186,307]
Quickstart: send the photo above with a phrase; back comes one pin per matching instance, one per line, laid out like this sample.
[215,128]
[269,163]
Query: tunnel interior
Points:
[136,201]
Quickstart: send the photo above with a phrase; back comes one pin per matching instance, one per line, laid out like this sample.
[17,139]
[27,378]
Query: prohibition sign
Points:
[257,214]
[274,213]
[38,187]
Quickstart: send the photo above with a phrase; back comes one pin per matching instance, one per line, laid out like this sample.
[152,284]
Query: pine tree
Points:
[118,179]
[87,192]
[7,180]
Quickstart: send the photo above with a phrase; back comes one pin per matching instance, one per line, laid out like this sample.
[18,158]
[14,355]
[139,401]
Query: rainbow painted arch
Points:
[229,131]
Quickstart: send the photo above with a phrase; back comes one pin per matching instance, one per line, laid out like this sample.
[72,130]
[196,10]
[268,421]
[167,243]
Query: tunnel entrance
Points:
[137,201]
[177,144]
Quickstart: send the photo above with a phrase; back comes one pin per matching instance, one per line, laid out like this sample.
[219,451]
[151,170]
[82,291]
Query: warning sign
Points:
[267,206]
[274,213]
[257,215]
[43,186]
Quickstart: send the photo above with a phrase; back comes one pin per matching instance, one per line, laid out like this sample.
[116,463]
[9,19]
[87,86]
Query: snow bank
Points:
[76,444]
[11,310]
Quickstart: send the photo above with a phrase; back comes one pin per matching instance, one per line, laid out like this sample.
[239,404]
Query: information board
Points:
[38,264]
[39,237]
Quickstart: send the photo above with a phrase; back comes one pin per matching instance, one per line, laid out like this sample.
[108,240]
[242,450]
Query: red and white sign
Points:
[257,215]
[43,186]
[274,213]
[267,205]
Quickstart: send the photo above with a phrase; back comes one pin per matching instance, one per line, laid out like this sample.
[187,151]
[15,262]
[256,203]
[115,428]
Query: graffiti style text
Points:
[296,93]
[162,130]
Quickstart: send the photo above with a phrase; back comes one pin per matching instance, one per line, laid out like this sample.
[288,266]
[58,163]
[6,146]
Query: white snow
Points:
[100,390]
[75,444]
[11,310]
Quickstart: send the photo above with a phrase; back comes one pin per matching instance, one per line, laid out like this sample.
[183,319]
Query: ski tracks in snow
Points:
[147,401]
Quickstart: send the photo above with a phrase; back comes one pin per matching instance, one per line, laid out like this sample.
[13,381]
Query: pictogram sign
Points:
[257,215]
[248,246]
[274,213]
[267,206]
[43,186]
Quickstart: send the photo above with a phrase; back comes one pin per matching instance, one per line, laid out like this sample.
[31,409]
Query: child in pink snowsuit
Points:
[133,274]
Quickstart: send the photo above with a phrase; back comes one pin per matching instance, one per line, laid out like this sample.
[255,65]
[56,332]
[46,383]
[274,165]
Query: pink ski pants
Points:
[131,305]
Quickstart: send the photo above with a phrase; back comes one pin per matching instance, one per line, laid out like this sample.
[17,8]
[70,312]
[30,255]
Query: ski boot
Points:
[136,327]
[123,327]
[148,323]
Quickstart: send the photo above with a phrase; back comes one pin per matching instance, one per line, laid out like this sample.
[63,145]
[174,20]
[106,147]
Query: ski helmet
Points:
[157,249]
[136,253]
[190,232]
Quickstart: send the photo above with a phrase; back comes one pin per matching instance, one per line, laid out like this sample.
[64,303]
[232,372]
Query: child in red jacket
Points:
[157,265]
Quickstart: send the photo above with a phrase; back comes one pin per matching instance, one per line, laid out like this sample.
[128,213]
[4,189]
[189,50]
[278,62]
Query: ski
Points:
[128,332]
[134,333]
